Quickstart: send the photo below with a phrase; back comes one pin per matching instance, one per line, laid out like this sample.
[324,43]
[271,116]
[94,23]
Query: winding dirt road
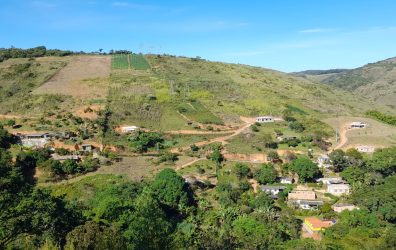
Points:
[343,138]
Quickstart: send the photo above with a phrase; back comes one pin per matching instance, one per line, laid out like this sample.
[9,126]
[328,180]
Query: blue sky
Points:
[287,35]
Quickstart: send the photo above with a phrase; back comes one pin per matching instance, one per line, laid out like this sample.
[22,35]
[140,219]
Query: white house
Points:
[338,189]
[129,129]
[38,140]
[341,207]
[365,149]
[308,204]
[330,180]
[272,190]
[323,161]
[286,180]
[358,125]
[264,119]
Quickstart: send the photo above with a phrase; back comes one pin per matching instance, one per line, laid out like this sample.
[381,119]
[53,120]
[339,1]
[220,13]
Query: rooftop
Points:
[317,223]
[266,187]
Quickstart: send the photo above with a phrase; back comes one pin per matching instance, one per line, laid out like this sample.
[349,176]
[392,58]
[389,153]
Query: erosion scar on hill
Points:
[83,76]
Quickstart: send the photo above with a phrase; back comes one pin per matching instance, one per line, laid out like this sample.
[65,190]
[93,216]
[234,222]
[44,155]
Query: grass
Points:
[377,134]
[84,189]
[199,113]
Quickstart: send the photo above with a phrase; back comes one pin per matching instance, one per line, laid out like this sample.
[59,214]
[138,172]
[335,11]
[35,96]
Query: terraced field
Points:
[129,61]
[120,61]
[139,62]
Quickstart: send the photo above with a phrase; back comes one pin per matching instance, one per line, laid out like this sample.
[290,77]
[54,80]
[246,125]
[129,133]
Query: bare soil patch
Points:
[83,76]
[88,111]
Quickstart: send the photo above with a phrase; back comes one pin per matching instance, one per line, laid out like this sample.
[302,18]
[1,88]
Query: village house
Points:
[338,189]
[313,227]
[38,140]
[286,180]
[309,205]
[341,207]
[365,149]
[264,119]
[358,125]
[302,195]
[272,190]
[330,180]
[86,147]
[129,129]
[323,161]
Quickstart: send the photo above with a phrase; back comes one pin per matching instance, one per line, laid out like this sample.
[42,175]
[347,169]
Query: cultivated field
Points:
[129,61]
[83,77]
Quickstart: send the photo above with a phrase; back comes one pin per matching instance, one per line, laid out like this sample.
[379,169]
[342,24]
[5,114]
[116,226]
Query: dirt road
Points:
[221,139]
[343,139]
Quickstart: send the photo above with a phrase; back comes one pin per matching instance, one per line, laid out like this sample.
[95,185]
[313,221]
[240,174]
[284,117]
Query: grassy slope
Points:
[375,80]
[231,90]
[19,77]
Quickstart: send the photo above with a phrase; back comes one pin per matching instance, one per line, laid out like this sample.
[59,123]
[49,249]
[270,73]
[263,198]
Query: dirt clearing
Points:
[83,76]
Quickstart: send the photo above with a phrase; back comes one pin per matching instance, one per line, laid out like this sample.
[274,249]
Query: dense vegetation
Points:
[389,119]
[169,213]
[32,52]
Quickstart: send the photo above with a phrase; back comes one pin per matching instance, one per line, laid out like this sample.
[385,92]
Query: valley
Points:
[230,134]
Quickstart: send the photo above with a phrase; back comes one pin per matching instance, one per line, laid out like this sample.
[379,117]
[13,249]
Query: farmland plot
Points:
[139,62]
[83,76]
[120,61]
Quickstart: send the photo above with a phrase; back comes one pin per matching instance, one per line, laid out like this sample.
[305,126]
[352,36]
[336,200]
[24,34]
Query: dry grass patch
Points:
[84,77]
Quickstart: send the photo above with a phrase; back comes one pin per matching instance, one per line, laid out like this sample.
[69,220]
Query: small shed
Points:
[358,125]
[129,129]
[264,119]
[87,147]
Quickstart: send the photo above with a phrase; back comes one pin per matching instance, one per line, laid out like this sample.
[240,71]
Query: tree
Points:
[384,161]
[241,170]
[338,160]
[305,169]
[92,235]
[147,227]
[296,126]
[37,214]
[217,157]
[172,191]
[143,141]
[273,156]
[250,233]
[263,202]
[353,175]
[6,139]
[266,174]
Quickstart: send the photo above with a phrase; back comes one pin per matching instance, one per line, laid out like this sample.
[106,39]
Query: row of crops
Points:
[129,61]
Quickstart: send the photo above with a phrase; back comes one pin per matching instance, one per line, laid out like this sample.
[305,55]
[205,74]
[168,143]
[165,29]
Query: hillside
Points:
[376,81]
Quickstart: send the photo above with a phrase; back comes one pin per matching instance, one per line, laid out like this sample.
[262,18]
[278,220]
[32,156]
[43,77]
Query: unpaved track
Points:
[221,139]
[343,138]
[189,163]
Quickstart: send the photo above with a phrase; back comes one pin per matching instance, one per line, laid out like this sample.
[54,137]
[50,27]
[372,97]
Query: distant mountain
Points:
[320,72]
[376,81]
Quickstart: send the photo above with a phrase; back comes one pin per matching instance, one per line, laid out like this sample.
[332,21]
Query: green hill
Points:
[171,91]
[376,81]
